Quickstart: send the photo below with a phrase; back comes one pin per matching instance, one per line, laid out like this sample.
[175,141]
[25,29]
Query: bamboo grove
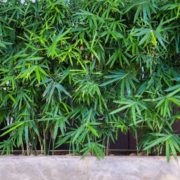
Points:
[78,72]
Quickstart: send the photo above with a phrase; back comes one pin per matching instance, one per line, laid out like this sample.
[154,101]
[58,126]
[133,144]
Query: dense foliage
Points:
[78,72]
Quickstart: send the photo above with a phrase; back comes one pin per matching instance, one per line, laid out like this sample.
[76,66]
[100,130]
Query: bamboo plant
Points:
[78,72]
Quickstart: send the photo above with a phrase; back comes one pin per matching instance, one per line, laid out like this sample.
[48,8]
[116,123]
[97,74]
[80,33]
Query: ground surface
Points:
[73,168]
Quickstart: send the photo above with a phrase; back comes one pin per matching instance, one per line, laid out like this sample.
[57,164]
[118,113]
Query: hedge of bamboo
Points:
[78,72]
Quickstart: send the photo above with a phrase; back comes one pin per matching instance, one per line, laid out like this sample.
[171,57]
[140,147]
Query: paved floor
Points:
[73,168]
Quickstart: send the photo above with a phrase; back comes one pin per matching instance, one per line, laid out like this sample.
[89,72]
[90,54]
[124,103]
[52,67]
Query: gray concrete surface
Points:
[73,168]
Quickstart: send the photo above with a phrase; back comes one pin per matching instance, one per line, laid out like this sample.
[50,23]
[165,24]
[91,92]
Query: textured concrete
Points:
[73,168]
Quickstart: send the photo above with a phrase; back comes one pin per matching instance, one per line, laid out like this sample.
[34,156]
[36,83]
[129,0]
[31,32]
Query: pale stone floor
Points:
[73,168]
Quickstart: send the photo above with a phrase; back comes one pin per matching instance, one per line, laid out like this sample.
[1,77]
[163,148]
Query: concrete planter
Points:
[73,168]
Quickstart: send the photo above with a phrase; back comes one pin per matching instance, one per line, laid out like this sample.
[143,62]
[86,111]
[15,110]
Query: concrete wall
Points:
[73,168]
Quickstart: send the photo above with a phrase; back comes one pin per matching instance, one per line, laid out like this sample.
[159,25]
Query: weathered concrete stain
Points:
[74,168]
